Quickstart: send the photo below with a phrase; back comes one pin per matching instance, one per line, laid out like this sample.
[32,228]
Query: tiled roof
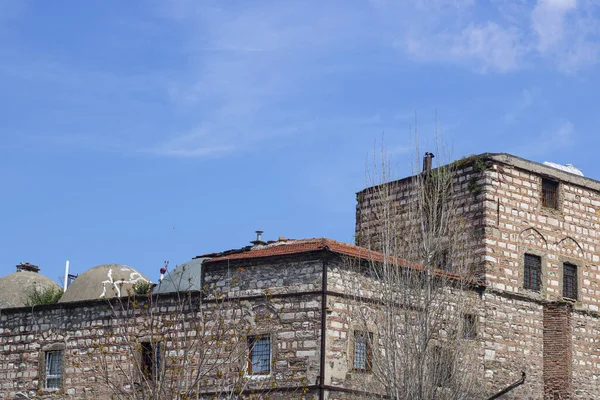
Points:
[291,246]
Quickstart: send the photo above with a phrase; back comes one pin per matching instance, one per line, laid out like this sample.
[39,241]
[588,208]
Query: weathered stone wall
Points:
[256,277]
[517,222]
[91,332]
[511,330]
[586,355]
[466,200]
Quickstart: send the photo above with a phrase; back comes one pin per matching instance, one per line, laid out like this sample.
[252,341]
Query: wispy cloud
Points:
[502,36]
[560,137]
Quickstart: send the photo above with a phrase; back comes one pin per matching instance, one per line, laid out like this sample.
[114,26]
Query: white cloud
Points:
[560,137]
[502,36]
[548,21]
[491,45]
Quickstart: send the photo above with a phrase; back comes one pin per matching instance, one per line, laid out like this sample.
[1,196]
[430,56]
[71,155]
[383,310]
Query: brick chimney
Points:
[27,267]
[558,351]
[427,161]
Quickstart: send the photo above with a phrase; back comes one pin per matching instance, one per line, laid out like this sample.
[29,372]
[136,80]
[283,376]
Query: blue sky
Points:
[137,132]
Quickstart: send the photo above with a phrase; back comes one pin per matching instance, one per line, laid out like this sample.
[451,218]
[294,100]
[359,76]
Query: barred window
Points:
[53,361]
[570,281]
[532,272]
[150,357]
[442,366]
[259,355]
[362,351]
[469,328]
[549,193]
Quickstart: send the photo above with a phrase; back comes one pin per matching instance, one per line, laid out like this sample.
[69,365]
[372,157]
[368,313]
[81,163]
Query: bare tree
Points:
[416,296]
[185,344]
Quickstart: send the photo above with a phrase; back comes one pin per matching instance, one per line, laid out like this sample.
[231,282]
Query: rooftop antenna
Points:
[66,276]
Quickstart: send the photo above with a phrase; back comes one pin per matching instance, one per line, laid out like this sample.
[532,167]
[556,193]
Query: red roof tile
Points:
[292,246]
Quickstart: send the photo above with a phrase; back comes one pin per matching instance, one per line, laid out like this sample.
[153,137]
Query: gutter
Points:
[509,388]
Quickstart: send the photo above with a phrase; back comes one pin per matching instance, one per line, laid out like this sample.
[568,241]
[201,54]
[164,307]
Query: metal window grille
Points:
[362,351]
[150,360]
[532,272]
[469,326]
[549,193]
[443,362]
[53,369]
[259,355]
[569,281]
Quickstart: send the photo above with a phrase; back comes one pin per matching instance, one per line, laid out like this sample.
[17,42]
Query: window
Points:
[53,369]
[259,355]
[150,360]
[549,193]
[443,261]
[532,272]
[442,366]
[362,351]
[570,281]
[469,327]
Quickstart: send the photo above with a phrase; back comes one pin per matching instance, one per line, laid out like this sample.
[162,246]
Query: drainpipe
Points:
[509,388]
[323,330]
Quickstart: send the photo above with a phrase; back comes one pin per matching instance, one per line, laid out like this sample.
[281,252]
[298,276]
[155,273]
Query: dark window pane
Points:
[549,193]
[532,272]
[569,281]
[469,326]
[150,356]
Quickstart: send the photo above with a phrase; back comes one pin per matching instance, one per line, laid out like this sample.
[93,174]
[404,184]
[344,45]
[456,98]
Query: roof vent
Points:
[567,168]
[27,267]
[258,240]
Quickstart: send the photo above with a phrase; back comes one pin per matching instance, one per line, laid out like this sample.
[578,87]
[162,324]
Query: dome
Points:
[183,278]
[103,281]
[14,288]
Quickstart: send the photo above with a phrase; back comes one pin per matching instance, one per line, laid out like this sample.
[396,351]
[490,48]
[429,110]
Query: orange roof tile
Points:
[293,246]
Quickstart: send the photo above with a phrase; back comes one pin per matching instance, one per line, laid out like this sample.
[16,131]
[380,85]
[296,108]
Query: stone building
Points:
[535,297]
[537,246]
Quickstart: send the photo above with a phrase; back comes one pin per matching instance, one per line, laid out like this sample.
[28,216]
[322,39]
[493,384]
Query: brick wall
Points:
[558,371]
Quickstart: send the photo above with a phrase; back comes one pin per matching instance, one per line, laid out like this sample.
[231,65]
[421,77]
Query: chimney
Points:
[427,161]
[27,267]
[258,240]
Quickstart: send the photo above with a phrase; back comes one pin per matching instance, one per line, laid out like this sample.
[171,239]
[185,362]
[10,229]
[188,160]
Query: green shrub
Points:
[38,296]
[142,287]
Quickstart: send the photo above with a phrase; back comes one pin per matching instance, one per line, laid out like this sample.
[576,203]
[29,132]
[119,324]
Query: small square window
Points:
[549,193]
[570,281]
[150,360]
[53,369]
[532,272]
[469,327]
[362,351]
[259,355]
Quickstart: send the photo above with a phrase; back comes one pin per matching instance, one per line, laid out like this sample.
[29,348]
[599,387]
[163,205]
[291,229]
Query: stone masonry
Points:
[504,205]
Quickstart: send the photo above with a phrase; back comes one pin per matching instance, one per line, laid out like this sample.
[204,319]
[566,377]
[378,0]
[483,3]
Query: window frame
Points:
[554,193]
[368,356]
[251,341]
[444,370]
[150,359]
[527,278]
[56,348]
[575,280]
[469,326]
